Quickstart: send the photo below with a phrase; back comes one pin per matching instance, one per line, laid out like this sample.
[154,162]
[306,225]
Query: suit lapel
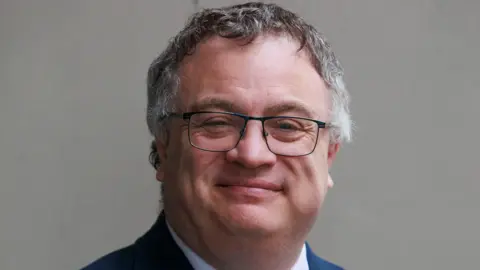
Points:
[317,263]
[157,250]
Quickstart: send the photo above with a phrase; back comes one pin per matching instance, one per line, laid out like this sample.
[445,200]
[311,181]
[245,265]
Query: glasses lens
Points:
[291,136]
[215,131]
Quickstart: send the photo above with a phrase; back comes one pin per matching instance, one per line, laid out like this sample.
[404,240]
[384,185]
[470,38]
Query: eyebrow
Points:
[215,103]
[291,106]
[212,103]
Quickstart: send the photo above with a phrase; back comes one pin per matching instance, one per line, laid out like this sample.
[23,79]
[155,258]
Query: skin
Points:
[244,227]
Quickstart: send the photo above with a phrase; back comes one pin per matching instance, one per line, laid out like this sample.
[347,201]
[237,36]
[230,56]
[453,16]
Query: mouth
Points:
[250,191]
[252,184]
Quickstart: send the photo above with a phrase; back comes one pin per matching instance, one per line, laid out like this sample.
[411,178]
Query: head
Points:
[257,60]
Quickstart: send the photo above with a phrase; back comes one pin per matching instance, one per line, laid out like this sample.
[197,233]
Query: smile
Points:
[251,184]
[250,190]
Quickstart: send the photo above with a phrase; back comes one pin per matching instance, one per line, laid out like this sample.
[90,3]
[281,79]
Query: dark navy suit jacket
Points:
[156,250]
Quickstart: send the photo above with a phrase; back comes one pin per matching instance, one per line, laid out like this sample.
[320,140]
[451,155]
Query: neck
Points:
[255,257]
[227,251]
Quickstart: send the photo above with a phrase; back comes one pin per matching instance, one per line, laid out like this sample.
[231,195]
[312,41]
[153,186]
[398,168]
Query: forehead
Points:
[253,78]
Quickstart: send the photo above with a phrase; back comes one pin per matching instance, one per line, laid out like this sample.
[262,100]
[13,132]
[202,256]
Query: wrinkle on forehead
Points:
[269,68]
[216,53]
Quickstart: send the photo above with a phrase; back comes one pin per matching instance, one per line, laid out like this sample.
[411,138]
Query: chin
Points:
[255,219]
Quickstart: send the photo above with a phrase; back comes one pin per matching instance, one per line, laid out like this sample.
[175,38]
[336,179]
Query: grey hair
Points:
[244,21]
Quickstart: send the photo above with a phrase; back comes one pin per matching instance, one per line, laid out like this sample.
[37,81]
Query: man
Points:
[248,109]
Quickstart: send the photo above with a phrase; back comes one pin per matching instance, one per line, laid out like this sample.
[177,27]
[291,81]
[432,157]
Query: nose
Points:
[252,150]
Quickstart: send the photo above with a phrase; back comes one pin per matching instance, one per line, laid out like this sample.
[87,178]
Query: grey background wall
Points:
[74,178]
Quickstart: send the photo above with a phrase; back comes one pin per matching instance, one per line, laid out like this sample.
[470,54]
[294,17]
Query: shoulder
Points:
[317,263]
[323,264]
[156,249]
[122,259]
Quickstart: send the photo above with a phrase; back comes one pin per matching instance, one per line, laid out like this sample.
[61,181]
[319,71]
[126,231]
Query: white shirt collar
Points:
[199,264]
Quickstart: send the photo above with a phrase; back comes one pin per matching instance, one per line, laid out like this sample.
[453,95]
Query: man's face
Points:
[256,80]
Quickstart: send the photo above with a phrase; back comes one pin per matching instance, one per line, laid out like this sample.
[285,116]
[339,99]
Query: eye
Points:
[287,125]
[216,122]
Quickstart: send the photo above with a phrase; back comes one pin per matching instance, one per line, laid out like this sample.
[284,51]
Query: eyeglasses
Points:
[222,131]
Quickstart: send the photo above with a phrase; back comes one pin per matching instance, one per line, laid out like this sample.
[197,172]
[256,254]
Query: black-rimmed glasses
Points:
[222,131]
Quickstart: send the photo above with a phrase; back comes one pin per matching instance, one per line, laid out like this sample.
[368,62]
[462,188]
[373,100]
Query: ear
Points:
[332,153]
[161,147]
[330,181]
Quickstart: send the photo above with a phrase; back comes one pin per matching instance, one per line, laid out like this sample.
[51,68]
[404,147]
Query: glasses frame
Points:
[187,115]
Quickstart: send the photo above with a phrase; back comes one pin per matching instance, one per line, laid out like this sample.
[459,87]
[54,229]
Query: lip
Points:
[259,184]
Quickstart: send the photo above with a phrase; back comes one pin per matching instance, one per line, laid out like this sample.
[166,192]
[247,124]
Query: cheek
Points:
[178,158]
[190,169]
[309,183]
[204,166]
[178,169]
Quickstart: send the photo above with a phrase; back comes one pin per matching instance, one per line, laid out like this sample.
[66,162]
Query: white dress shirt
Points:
[199,264]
